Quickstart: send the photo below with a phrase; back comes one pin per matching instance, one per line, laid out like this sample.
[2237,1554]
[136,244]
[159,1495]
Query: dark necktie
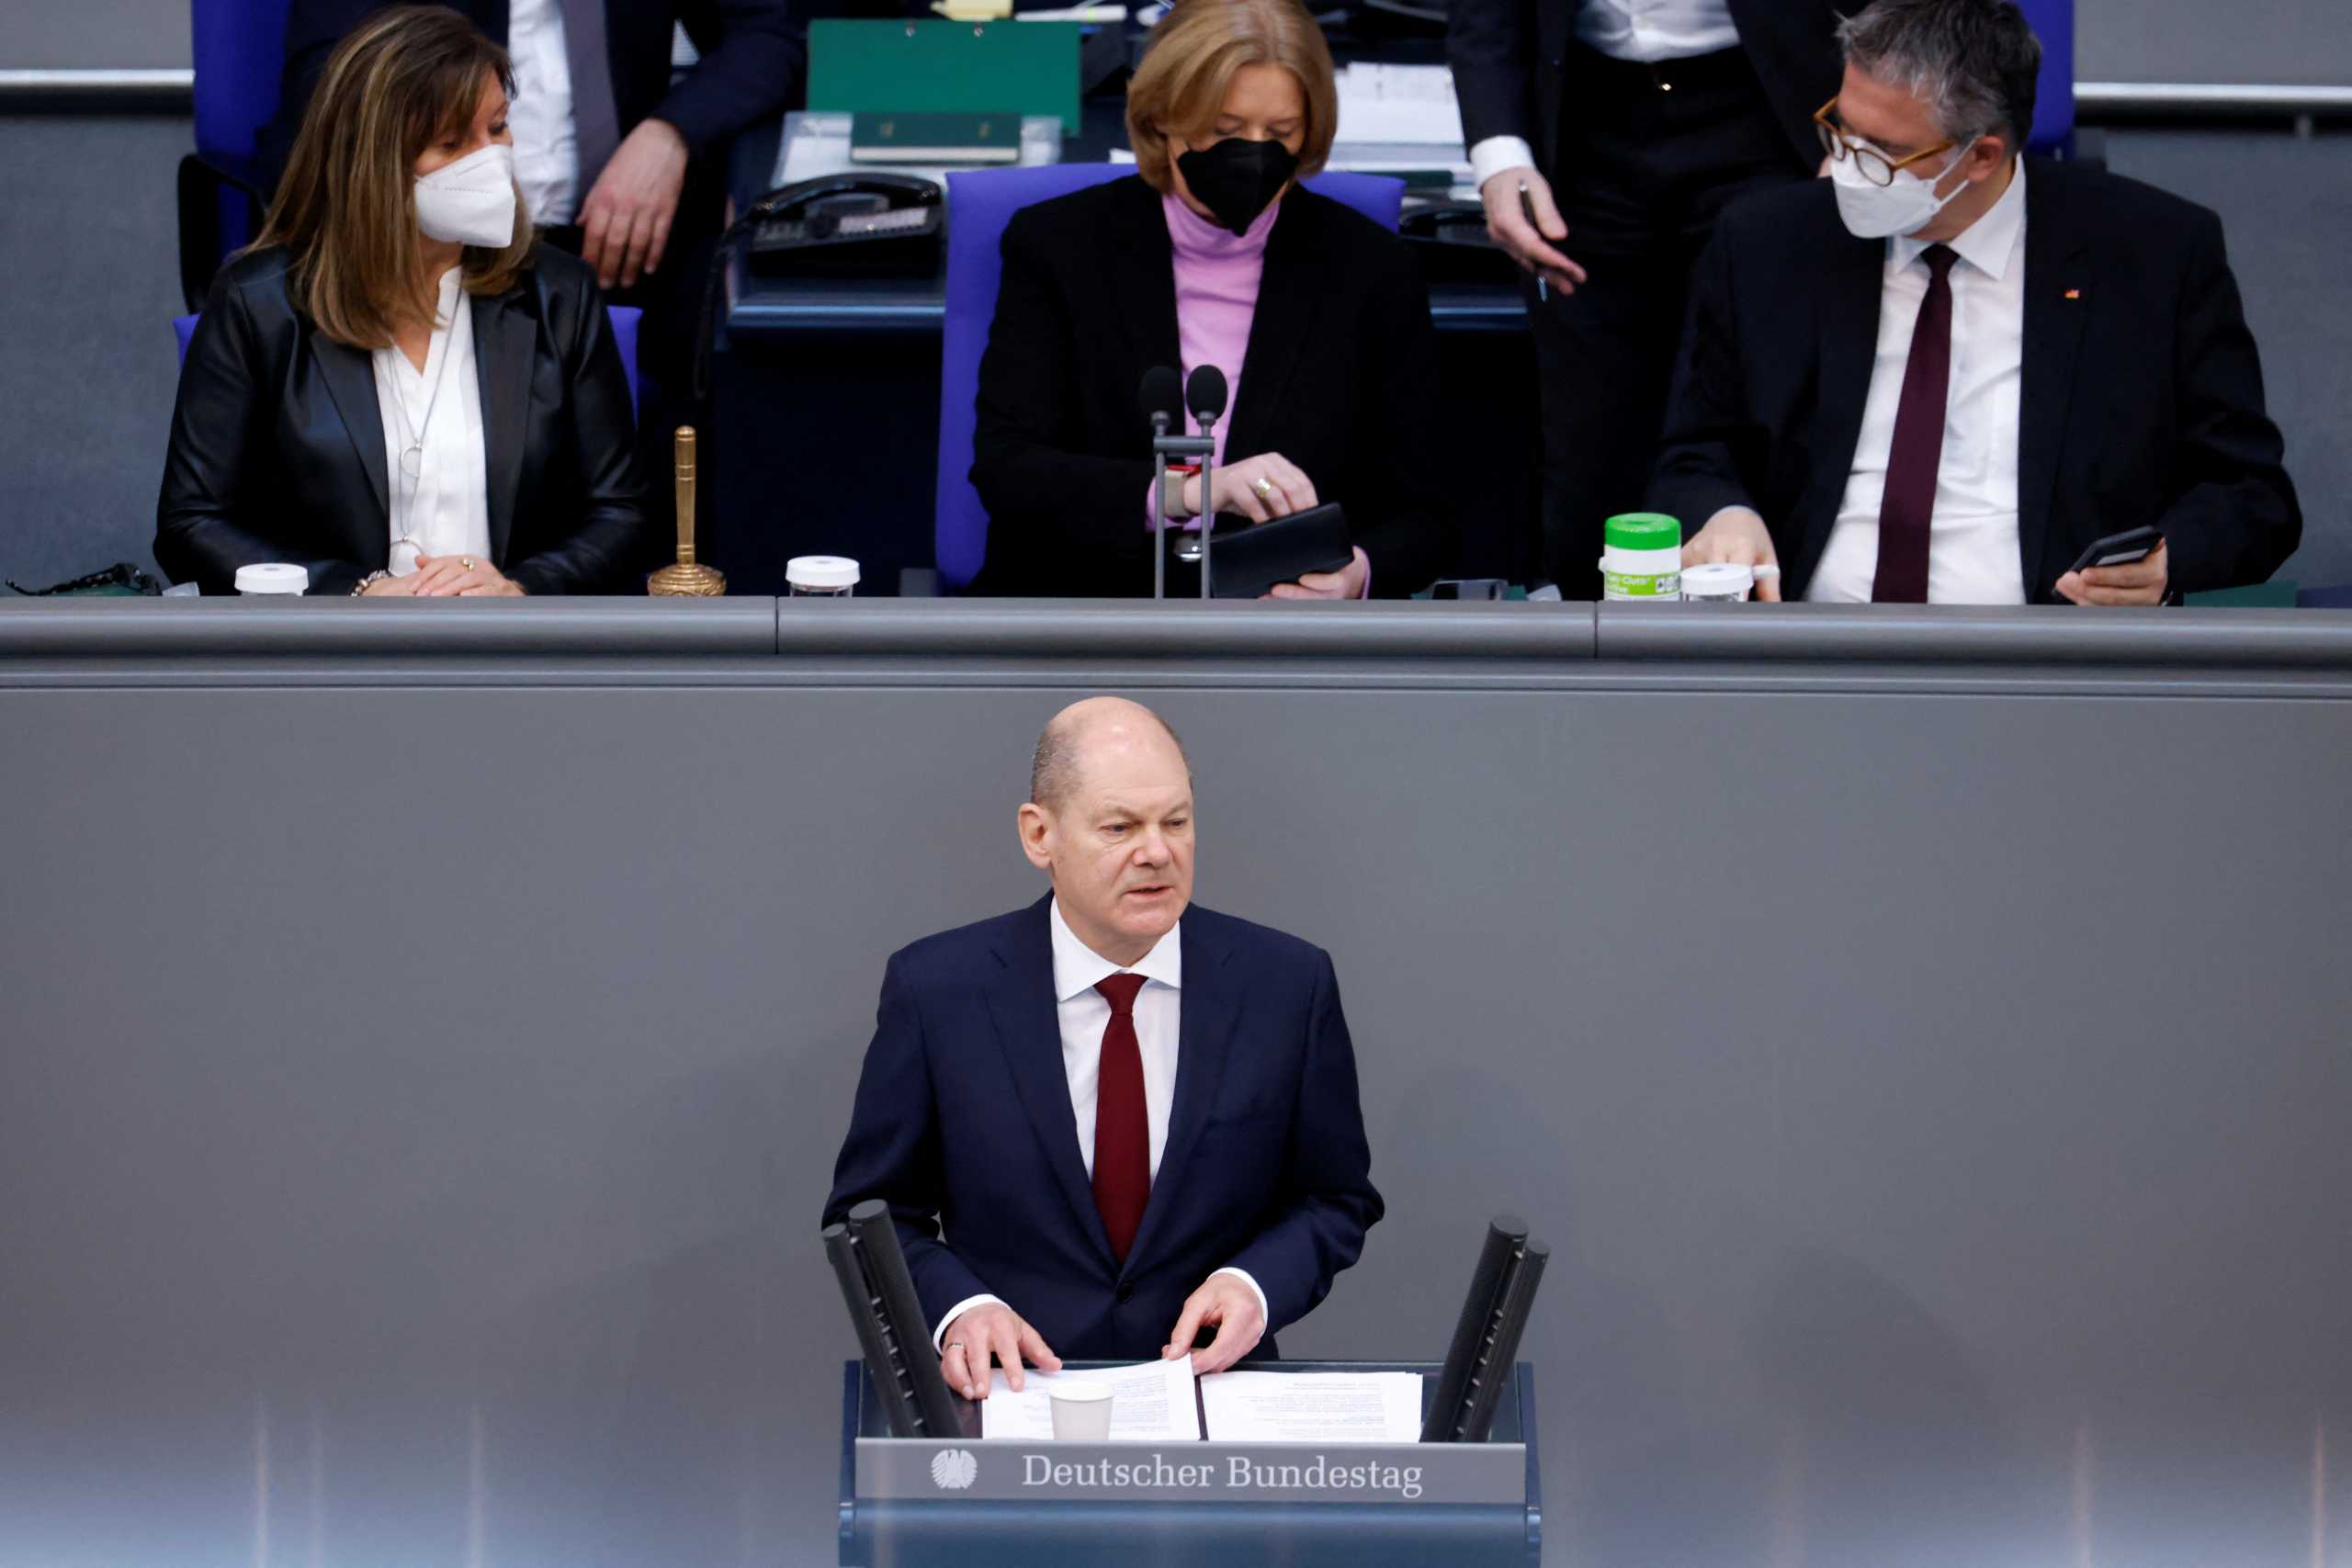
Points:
[1122,1130]
[1909,506]
[595,123]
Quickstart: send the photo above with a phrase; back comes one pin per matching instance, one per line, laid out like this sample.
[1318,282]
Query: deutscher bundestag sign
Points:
[909,1469]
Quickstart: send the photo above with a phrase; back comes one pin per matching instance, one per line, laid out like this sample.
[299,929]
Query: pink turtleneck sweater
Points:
[1217,272]
[1216,299]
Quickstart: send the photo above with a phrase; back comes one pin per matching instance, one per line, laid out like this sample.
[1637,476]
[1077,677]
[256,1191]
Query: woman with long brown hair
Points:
[396,386]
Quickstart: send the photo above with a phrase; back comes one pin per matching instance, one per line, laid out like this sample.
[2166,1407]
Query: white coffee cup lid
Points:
[273,577]
[820,571]
[1717,577]
[1079,1391]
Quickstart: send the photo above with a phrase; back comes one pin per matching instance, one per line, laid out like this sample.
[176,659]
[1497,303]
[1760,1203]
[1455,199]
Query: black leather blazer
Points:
[277,442]
[1338,376]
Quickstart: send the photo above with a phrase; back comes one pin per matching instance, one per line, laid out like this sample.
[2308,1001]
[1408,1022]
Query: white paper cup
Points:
[1082,1411]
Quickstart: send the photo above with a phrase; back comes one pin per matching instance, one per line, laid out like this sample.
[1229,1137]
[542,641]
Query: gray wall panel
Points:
[1935,1101]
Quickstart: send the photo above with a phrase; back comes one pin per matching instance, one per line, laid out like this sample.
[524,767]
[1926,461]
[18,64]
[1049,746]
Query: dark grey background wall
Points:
[92,271]
[2298,41]
[416,1102]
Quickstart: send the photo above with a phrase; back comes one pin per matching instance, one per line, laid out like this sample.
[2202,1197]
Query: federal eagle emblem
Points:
[953,1470]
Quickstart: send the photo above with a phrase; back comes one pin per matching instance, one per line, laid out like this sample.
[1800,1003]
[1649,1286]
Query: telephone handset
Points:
[864,223]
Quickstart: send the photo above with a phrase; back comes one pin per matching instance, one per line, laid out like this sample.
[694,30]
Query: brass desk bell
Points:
[686,579]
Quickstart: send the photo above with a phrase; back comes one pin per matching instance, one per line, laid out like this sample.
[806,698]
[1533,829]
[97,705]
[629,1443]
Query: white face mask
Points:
[472,201]
[1909,205]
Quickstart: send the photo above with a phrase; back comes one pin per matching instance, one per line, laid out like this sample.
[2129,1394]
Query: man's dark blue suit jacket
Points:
[963,1124]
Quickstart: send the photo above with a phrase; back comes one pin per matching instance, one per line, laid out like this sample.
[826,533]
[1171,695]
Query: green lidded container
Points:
[1642,558]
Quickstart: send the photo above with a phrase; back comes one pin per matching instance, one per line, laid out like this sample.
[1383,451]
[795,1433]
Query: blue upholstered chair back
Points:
[2054,110]
[239,51]
[625,318]
[979,204]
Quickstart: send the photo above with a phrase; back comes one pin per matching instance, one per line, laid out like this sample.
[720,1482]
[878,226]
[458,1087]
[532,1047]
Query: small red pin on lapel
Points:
[2074,293]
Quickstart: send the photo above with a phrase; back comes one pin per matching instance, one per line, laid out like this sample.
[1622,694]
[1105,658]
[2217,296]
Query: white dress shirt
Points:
[547,143]
[1973,540]
[443,508]
[1643,30]
[1084,1013]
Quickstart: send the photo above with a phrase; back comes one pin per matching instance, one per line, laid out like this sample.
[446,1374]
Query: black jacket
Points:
[277,440]
[1339,377]
[2142,400]
[1509,59]
[751,59]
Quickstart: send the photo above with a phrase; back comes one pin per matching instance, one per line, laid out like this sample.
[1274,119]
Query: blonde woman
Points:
[1212,254]
[395,385]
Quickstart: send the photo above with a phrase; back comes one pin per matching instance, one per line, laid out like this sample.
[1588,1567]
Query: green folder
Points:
[940,67]
[2255,596]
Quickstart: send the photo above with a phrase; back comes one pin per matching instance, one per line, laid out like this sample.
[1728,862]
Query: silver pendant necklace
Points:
[413,452]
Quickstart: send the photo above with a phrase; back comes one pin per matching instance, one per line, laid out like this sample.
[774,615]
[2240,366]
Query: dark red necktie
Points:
[1122,1129]
[1909,506]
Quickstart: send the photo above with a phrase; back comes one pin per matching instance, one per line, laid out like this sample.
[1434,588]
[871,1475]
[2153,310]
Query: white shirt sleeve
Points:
[1497,153]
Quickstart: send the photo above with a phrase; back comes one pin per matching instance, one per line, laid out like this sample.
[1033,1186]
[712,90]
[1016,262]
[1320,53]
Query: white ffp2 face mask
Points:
[1878,212]
[472,201]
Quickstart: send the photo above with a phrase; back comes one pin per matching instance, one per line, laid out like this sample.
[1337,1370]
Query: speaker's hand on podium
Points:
[1228,1306]
[991,1330]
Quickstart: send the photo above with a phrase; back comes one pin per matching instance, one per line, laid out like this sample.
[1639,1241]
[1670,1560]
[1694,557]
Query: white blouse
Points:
[439,495]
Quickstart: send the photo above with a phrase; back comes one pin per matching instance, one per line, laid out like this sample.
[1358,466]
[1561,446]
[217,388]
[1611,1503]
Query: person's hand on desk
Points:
[1226,1303]
[2141,583]
[991,1330]
[1260,489]
[465,577]
[625,222]
[1739,535]
[1347,582]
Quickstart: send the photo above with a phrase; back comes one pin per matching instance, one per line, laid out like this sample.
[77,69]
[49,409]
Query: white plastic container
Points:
[1642,562]
[820,577]
[273,580]
[1718,582]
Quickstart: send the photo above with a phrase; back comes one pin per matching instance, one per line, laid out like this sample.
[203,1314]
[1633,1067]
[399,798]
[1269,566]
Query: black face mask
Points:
[1236,179]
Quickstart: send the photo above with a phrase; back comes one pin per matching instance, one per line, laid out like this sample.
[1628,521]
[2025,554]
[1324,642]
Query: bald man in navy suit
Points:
[1179,1166]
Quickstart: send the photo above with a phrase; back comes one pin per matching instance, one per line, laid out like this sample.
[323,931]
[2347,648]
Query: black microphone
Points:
[1161,396]
[1204,394]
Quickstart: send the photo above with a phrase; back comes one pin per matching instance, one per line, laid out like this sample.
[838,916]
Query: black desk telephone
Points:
[866,223]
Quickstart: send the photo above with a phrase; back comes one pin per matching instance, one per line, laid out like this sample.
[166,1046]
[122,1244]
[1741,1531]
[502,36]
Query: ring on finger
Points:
[1264,486]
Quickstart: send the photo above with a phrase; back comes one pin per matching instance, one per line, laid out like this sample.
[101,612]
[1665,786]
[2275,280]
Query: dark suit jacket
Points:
[963,1121]
[2142,401]
[751,57]
[1338,378]
[277,441]
[1510,60]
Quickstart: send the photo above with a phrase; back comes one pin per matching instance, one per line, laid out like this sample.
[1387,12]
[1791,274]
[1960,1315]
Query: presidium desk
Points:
[426,1031]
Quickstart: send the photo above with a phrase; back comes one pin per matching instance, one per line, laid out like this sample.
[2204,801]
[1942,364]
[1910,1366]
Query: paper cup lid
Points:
[273,577]
[1717,577]
[820,571]
[1081,1391]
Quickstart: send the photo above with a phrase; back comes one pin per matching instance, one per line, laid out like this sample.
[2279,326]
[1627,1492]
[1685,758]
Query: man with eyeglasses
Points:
[1944,373]
[1605,137]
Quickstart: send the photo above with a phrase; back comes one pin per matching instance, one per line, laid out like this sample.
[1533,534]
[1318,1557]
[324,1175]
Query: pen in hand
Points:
[1527,209]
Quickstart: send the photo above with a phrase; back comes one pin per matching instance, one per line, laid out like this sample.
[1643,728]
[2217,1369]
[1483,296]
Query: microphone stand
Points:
[1209,507]
[1164,446]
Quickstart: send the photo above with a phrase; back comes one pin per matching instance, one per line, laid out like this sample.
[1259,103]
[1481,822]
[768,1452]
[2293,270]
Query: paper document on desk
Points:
[1313,1407]
[1411,104]
[1150,1403]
